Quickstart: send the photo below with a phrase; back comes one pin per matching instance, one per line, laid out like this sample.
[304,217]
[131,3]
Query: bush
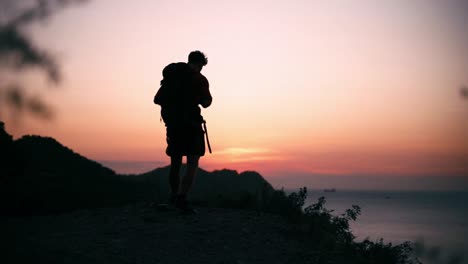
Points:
[289,206]
[329,237]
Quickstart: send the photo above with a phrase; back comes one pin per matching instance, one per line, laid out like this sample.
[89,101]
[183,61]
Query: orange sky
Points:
[329,87]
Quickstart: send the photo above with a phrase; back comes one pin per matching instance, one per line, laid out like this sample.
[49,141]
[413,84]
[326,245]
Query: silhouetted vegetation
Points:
[40,176]
[329,237]
[464,92]
[18,53]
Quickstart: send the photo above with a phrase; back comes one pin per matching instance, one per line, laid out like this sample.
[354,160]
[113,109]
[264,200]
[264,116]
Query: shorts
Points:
[185,140]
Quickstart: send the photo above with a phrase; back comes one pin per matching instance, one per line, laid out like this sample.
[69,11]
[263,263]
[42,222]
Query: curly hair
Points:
[197,57]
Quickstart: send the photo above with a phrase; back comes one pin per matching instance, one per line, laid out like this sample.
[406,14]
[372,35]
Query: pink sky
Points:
[327,87]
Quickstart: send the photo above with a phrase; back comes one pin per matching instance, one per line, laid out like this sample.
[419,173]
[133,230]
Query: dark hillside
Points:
[44,176]
[40,176]
[47,156]
[225,187]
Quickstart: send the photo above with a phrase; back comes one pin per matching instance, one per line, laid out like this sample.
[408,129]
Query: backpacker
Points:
[175,96]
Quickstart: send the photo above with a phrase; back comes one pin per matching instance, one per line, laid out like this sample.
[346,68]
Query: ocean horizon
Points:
[437,219]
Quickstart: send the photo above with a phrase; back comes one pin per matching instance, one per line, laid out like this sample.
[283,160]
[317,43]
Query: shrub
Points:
[329,237]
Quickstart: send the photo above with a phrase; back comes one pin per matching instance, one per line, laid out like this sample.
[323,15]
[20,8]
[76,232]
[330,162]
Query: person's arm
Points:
[205,97]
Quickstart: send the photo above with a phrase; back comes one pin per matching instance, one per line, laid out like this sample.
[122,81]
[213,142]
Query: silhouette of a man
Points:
[183,89]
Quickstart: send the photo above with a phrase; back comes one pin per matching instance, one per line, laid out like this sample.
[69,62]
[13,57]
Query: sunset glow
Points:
[310,87]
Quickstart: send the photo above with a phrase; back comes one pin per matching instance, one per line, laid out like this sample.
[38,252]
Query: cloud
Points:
[247,155]
[243,151]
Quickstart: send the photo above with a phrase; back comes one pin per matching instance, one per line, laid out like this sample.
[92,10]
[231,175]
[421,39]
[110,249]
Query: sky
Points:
[301,89]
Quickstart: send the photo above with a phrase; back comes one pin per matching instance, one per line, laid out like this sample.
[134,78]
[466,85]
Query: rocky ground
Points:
[139,234]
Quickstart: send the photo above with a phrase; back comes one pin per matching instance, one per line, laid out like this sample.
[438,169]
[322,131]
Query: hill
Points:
[218,188]
[111,221]
[40,175]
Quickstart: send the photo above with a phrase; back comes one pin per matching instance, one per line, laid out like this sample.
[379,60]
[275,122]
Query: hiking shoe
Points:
[184,206]
[172,199]
[164,207]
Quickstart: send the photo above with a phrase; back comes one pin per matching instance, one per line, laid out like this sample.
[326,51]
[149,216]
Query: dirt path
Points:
[138,234]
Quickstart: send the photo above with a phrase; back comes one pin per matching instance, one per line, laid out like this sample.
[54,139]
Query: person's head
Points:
[197,60]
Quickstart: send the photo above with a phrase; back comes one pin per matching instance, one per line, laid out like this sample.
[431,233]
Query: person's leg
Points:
[194,143]
[174,177]
[187,181]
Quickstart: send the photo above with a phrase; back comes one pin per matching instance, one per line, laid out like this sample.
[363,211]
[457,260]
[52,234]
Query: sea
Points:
[435,220]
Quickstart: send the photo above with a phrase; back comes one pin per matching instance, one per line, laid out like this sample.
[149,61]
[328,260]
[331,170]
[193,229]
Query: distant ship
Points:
[330,190]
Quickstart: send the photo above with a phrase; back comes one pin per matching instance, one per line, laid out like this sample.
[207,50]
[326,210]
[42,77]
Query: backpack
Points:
[176,96]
